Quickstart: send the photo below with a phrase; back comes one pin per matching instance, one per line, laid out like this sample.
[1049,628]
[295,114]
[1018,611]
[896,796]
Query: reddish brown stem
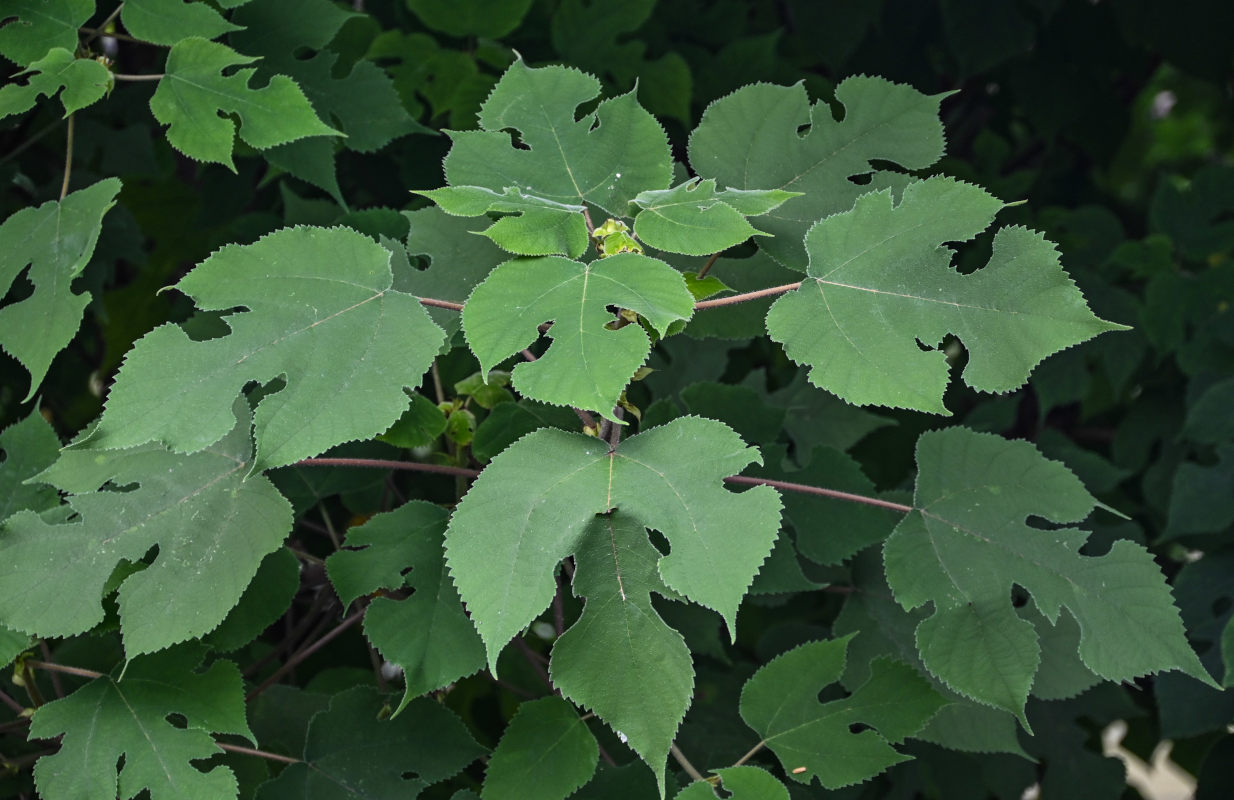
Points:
[50,667]
[433,301]
[248,751]
[711,262]
[833,493]
[300,656]
[741,298]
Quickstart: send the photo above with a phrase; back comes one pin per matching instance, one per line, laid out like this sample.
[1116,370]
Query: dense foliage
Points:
[577,398]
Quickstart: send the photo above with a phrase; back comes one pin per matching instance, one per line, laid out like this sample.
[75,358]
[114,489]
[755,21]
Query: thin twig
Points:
[303,654]
[102,25]
[377,463]
[437,390]
[433,301]
[536,660]
[122,77]
[833,493]
[120,37]
[293,634]
[685,762]
[11,703]
[741,298]
[50,667]
[325,518]
[528,355]
[68,160]
[248,751]
[750,754]
[707,267]
[55,676]
[21,148]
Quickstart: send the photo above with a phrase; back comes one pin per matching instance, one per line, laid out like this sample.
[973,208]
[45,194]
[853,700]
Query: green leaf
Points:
[167,23]
[211,527]
[427,634]
[110,719]
[750,139]
[459,260]
[694,219]
[84,80]
[603,159]
[545,746]
[781,703]
[1199,502]
[739,783]
[265,600]
[28,447]
[620,659]
[542,227]
[587,365]
[353,751]
[419,426]
[490,19]
[41,26]
[56,241]
[193,91]
[533,505]
[1208,417]
[322,316]
[880,280]
[967,544]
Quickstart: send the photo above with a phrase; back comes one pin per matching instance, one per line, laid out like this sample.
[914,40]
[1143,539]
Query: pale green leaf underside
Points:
[108,719]
[545,746]
[322,316]
[880,279]
[56,241]
[84,81]
[193,91]
[749,140]
[426,634]
[620,659]
[542,227]
[566,159]
[780,702]
[533,504]
[968,544]
[587,365]
[739,783]
[692,218]
[212,528]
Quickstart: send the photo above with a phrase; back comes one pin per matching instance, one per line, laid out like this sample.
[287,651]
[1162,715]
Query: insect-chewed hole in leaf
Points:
[922,346]
[858,727]
[973,254]
[831,693]
[207,325]
[1019,597]
[659,542]
[20,289]
[406,571]
[516,140]
[256,391]
[177,720]
[861,178]
[119,488]
[1039,523]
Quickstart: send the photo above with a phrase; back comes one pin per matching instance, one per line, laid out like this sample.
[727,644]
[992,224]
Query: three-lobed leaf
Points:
[84,81]
[194,90]
[322,317]
[967,543]
[56,241]
[112,719]
[815,740]
[750,139]
[534,503]
[588,364]
[880,280]
[211,527]
[603,159]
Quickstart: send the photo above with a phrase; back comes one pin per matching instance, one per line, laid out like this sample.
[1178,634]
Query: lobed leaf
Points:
[692,218]
[84,80]
[210,525]
[41,26]
[322,317]
[56,241]
[193,92]
[780,702]
[533,505]
[110,719]
[967,544]
[588,365]
[750,139]
[880,281]
[427,634]
[603,159]
[620,659]
[168,23]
